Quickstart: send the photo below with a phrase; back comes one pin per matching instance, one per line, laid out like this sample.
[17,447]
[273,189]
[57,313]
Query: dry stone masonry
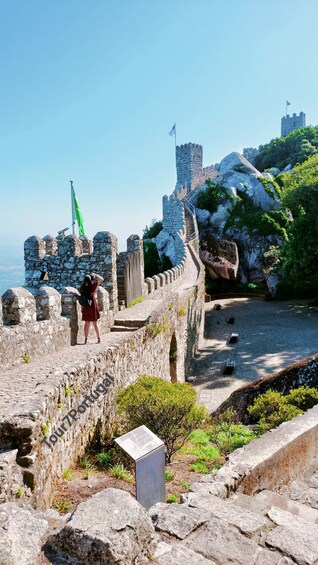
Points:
[44,381]
[225,519]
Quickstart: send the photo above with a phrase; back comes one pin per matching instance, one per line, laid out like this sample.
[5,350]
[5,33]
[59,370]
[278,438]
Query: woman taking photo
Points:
[90,313]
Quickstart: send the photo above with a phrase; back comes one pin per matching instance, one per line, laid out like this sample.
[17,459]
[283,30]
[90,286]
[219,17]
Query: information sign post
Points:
[148,453]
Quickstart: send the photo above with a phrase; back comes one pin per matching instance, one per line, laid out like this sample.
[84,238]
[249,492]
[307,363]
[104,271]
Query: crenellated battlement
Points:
[42,321]
[190,173]
[290,123]
[57,262]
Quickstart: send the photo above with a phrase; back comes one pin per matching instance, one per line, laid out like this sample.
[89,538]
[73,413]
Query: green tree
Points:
[294,148]
[299,254]
[168,409]
[210,197]
[152,230]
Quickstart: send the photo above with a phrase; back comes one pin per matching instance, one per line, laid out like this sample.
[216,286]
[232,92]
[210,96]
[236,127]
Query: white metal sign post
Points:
[148,453]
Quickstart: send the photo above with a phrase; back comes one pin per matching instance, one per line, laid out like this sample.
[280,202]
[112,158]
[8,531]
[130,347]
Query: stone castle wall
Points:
[289,123]
[190,173]
[41,322]
[37,463]
[65,261]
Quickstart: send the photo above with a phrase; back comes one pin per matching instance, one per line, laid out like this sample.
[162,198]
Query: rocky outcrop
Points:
[243,218]
[23,532]
[220,258]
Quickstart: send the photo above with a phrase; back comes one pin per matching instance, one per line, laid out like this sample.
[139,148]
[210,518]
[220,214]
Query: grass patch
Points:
[185,484]
[68,475]
[173,498]
[199,467]
[19,492]
[199,437]
[119,472]
[205,453]
[169,475]
[135,301]
[104,459]
[61,505]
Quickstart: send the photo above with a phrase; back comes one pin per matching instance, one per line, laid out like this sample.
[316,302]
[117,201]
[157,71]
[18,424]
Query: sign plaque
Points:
[148,453]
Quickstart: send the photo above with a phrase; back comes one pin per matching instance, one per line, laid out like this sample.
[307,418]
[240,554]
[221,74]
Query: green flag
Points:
[78,214]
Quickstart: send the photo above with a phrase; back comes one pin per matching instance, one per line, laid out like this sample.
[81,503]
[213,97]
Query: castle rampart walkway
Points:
[24,387]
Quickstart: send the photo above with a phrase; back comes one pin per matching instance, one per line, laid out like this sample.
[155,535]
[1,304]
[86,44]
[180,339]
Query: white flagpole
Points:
[73,211]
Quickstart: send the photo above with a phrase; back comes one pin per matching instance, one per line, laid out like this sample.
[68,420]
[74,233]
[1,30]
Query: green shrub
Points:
[210,197]
[272,409]
[303,397]
[168,409]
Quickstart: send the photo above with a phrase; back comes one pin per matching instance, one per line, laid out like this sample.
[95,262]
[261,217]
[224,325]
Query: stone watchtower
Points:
[189,159]
[289,123]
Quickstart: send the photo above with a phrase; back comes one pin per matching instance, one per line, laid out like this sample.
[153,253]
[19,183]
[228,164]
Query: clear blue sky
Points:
[90,89]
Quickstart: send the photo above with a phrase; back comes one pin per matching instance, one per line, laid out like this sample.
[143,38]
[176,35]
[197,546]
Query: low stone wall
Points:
[157,286]
[302,373]
[42,322]
[280,456]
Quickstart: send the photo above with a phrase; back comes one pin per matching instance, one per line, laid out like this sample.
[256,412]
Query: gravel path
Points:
[272,335]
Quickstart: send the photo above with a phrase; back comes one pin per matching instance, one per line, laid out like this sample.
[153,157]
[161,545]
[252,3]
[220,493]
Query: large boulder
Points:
[22,534]
[109,528]
[235,162]
[220,258]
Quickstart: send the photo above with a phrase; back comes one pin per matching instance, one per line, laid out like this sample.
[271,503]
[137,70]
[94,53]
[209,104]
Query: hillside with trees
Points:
[299,254]
[293,149]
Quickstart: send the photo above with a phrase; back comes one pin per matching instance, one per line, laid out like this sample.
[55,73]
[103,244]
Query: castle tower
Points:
[289,123]
[189,158]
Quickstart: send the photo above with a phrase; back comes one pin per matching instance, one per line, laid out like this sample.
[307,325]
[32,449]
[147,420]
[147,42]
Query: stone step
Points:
[267,499]
[124,328]
[300,491]
[249,523]
[129,323]
[293,536]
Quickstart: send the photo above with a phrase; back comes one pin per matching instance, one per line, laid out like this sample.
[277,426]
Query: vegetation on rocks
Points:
[292,149]
[211,196]
[299,255]
[246,214]
[272,408]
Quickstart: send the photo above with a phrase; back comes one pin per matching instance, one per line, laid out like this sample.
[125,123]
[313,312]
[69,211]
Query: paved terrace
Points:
[25,388]
[272,335]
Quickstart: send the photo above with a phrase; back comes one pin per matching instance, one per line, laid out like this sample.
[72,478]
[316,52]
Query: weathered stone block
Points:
[179,520]
[224,544]
[22,534]
[247,522]
[108,528]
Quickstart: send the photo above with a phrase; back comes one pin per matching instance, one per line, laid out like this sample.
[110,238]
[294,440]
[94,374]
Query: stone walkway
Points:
[272,335]
[29,384]
[269,528]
